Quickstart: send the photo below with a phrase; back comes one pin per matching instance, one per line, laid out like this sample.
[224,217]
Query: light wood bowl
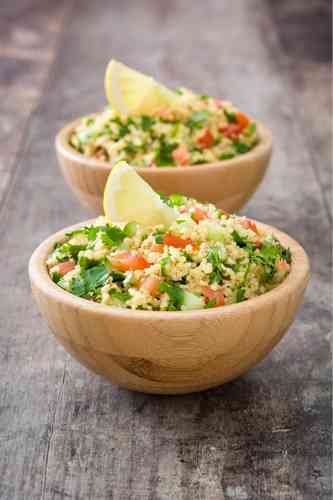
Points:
[169,352]
[228,184]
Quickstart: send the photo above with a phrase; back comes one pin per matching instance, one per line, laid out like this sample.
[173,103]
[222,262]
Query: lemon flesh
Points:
[128,198]
[131,92]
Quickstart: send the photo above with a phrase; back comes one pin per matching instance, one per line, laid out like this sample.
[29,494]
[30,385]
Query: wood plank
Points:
[64,433]
[308,55]
[29,32]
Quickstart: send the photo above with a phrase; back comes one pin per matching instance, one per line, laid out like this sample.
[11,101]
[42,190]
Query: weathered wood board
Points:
[65,433]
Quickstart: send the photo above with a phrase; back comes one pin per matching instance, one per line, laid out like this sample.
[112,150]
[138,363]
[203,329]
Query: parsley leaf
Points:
[241,147]
[198,119]
[176,200]
[176,295]
[119,295]
[112,235]
[147,122]
[230,116]
[163,155]
[88,281]
[214,258]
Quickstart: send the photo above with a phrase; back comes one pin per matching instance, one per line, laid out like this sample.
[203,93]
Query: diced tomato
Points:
[177,242]
[231,131]
[242,120]
[157,247]
[205,138]
[127,261]
[181,155]
[282,265]
[151,285]
[66,267]
[249,224]
[199,215]
[216,295]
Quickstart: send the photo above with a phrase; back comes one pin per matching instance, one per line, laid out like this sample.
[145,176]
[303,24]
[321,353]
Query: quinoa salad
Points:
[205,259]
[201,130]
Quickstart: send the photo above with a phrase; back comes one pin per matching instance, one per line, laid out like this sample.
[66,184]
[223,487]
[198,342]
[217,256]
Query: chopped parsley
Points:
[176,295]
[163,155]
[198,119]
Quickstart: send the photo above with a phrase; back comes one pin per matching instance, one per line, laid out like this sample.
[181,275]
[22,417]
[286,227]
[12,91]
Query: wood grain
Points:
[65,433]
[227,184]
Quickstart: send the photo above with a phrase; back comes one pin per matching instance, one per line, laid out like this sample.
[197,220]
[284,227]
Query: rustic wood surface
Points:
[65,433]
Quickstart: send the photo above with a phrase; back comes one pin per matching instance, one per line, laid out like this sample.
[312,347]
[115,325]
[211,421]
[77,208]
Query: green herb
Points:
[214,258]
[163,263]
[130,229]
[163,155]
[147,122]
[91,232]
[176,200]
[178,91]
[67,250]
[112,235]
[241,147]
[211,303]
[119,295]
[204,97]
[117,276]
[131,149]
[85,263]
[230,116]
[250,129]
[268,255]
[240,294]
[198,119]
[227,155]
[163,197]
[56,277]
[159,236]
[176,295]
[87,282]
[240,241]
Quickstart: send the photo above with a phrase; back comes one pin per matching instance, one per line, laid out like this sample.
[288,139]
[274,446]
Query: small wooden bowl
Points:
[228,184]
[169,352]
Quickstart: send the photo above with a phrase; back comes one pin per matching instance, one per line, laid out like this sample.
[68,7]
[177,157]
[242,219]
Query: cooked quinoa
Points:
[206,258]
[201,130]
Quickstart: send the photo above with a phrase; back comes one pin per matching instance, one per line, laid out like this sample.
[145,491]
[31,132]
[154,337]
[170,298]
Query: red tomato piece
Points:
[205,139]
[199,215]
[66,267]
[242,120]
[216,295]
[157,247]
[180,155]
[127,261]
[151,285]
[177,242]
[249,224]
[282,265]
[231,131]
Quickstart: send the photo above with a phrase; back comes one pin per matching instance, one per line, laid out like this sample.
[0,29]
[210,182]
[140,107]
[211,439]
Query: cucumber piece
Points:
[192,301]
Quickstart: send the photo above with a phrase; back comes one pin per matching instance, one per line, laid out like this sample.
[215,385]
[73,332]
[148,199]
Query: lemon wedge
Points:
[128,198]
[131,92]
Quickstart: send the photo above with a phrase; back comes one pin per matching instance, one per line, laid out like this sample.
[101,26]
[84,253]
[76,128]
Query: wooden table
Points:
[65,433]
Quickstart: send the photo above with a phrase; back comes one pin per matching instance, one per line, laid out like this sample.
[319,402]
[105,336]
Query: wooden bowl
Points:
[169,352]
[228,184]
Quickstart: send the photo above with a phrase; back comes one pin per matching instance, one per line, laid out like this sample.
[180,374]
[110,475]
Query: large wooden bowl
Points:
[169,352]
[228,184]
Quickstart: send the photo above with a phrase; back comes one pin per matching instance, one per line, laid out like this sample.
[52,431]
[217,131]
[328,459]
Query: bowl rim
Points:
[66,150]
[39,277]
